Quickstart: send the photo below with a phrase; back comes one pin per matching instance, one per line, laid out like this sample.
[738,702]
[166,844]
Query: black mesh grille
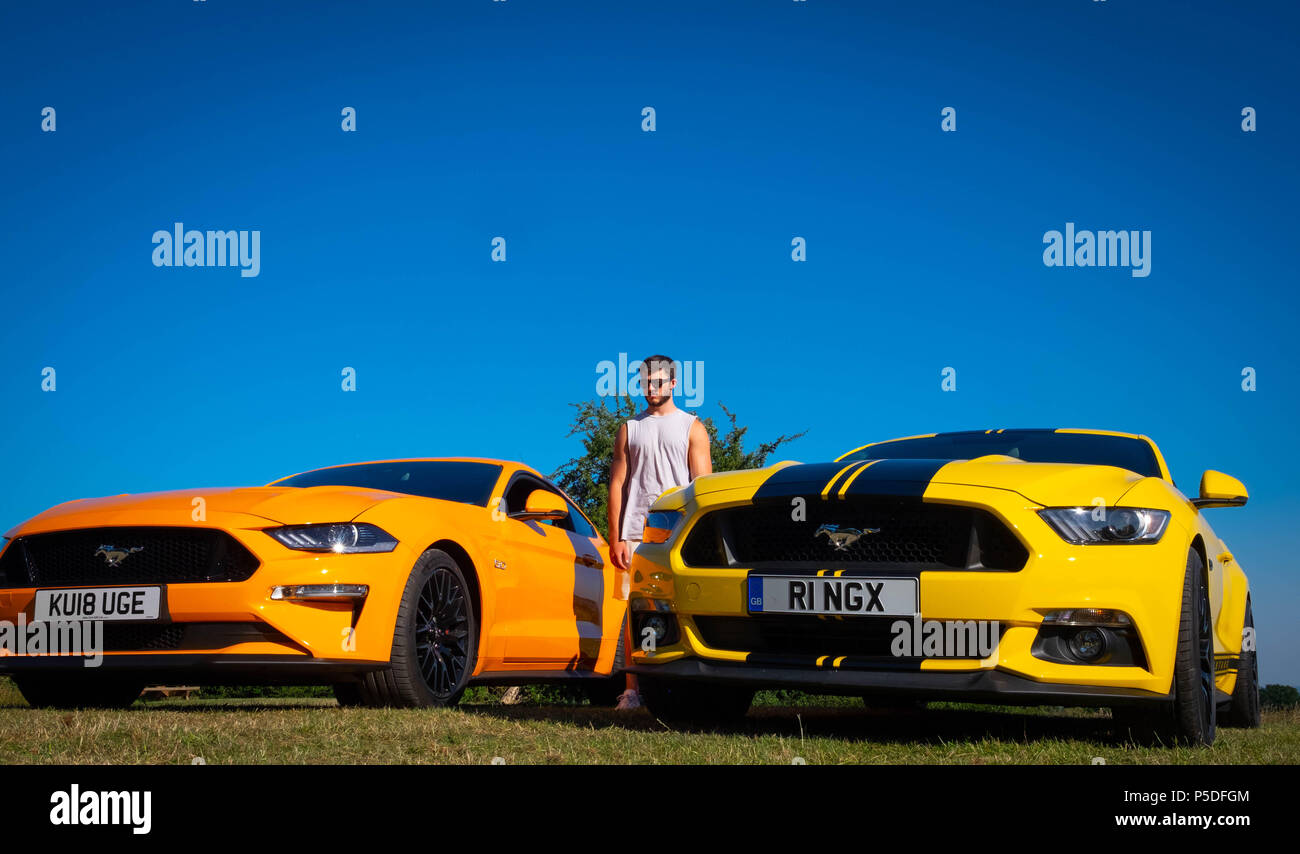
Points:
[866,641]
[704,546]
[146,637]
[787,635]
[909,533]
[12,565]
[143,637]
[126,556]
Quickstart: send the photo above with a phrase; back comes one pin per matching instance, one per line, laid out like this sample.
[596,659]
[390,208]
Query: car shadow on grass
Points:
[920,725]
[229,705]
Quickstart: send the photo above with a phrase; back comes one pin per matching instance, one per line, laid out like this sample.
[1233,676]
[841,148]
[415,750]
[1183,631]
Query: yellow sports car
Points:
[1008,566]
[398,582]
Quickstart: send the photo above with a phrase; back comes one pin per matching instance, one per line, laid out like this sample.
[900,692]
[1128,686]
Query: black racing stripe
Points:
[1005,431]
[897,477]
[848,473]
[805,479]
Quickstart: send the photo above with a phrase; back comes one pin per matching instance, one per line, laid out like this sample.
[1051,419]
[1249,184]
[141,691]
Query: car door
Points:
[597,613]
[551,590]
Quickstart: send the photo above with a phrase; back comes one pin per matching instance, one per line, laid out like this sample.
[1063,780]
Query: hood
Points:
[1049,484]
[241,507]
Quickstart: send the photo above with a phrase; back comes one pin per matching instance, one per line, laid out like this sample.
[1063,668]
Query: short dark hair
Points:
[650,363]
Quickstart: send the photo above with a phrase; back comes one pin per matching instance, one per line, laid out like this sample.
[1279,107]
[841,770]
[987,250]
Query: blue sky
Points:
[523,120]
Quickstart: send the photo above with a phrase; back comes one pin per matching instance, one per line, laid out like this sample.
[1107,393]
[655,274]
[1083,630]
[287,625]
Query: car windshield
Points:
[450,480]
[1032,446]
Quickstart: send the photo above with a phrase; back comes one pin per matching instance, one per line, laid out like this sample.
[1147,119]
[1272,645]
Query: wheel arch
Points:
[1198,545]
[466,564]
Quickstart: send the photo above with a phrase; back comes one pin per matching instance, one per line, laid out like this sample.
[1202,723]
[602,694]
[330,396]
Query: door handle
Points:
[593,562]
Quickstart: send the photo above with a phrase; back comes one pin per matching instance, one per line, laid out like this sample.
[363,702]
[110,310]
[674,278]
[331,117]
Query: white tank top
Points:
[657,458]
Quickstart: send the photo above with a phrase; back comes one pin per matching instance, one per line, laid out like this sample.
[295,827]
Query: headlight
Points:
[344,538]
[1081,525]
[659,525]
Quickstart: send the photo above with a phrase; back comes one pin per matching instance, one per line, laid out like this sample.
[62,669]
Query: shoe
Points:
[628,700]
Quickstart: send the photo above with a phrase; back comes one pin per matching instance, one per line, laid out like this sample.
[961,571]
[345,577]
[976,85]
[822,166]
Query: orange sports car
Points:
[398,582]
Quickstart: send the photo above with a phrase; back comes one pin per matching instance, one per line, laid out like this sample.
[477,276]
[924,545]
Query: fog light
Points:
[657,624]
[321,592]
[1088,644]
[657,627]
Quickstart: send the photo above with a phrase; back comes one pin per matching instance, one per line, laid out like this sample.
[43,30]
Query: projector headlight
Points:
[342,538]
[1084,526]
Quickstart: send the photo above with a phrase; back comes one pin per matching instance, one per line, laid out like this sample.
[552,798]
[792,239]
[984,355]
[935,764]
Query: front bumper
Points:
[1143,581]
[239,621]
[990,686]
[205,668]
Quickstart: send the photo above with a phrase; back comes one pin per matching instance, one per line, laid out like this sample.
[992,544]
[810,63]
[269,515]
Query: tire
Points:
[62,692]
[1192,716]
[435,641]
[687,704]
[1243,711]
[348,694]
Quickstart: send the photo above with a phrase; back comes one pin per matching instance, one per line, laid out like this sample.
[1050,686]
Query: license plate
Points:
[839,595]
[98,603]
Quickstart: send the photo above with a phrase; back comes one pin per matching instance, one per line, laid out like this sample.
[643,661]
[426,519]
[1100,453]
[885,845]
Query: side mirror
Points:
[542,504]
[1221,490]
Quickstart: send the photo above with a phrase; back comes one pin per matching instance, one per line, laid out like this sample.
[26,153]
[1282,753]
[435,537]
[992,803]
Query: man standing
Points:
[660,448]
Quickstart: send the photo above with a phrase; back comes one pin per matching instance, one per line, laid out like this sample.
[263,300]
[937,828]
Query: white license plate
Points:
[98,603]
[838,595]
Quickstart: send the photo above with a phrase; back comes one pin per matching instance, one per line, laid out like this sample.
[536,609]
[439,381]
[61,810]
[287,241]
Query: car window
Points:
[450,480]
[516,498]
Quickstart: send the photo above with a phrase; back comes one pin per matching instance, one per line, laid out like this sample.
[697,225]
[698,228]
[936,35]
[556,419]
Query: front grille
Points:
[129,638]
[862,641]
[150,637]
[912,533]
[147,556]
[868,636]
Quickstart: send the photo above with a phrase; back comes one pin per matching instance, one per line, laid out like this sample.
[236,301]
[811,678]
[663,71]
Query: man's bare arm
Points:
[699,455]
[617,478]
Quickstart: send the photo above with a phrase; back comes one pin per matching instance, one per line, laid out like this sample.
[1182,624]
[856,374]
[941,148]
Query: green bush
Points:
[1279,697]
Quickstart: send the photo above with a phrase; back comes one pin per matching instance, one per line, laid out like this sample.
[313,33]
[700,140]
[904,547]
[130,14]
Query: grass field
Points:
[833,730]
